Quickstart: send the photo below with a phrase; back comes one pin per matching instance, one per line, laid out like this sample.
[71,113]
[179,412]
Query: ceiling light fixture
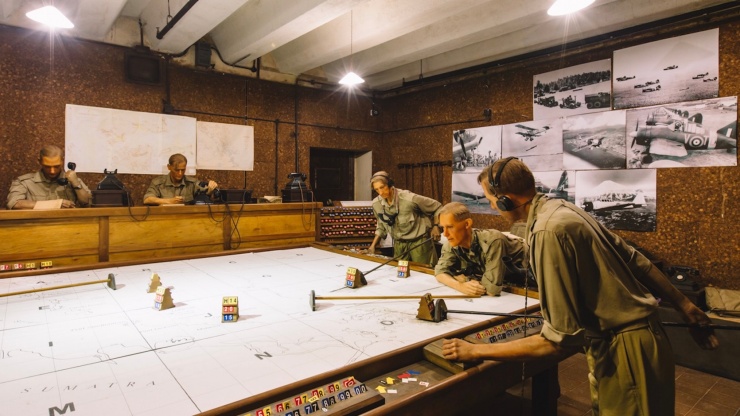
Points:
[351,79]
[563,7]
[50,16]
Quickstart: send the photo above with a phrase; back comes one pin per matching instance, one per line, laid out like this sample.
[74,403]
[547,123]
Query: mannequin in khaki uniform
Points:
[472,259]
[49,183]
[594,295]
[407,217]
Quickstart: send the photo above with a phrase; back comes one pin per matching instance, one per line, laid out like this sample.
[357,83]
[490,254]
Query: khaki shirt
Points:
[162,187]
[483,260]
[35,187]
[588,277]
[411,215]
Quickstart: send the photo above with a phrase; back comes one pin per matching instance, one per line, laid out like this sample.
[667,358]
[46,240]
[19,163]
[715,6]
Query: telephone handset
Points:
[65,181]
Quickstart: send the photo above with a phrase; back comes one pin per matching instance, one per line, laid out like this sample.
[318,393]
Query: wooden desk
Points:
[90,236]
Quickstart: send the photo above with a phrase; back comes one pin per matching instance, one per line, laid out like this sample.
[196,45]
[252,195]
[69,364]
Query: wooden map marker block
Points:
[403,268]
[431,310]
[154,283]
[163,299]
[230,309]
[355,278]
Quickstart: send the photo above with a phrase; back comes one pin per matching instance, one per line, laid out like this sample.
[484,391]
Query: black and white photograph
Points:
[539,143]
[579,89]
[475,148]
[619,199]
[682,68]
[472,150]
[594,141]
[557,184]
[689,134]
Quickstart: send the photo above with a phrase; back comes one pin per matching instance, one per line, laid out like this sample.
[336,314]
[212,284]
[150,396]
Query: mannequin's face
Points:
[456,232]
[51,166]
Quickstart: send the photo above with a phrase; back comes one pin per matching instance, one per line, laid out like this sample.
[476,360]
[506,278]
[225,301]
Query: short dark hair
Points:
[515,178]
[177,158]
[49,150]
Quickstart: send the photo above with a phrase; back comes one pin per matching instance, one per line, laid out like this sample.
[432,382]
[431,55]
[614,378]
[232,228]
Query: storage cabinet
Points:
[351,227]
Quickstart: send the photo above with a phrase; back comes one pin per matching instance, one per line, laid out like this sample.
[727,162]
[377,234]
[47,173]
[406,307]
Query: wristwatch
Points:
[77,187]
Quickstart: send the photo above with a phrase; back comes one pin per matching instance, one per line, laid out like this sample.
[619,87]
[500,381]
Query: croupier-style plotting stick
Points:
[438,312]
[711,326]
[111,281]
[397,257]
[361,278]
[313,297]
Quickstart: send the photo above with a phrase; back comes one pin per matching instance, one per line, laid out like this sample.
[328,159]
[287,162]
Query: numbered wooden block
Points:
[163,299]
[230,309]
[46,264]
[355,278]
[30,266]
[403,268]
[5,267]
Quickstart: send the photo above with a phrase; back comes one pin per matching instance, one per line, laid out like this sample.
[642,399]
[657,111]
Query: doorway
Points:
[333,173]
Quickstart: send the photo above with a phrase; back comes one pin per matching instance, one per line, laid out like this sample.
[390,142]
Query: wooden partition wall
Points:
[78,237]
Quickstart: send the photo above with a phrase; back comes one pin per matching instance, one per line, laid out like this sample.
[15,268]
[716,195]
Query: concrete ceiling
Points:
[384,41]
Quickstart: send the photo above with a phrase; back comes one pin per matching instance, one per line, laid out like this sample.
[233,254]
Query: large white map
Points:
[130,141]
[225,146]
[99,351]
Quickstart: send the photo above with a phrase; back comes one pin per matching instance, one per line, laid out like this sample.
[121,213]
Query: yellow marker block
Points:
[380,389]
[389,380]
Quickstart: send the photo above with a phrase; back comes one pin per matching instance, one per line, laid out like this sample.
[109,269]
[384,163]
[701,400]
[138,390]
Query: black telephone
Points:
[297,181]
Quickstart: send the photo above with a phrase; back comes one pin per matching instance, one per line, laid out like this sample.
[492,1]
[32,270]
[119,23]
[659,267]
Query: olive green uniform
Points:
[483,260]
[591,295]
[408,220]
[162,187]
[35,187]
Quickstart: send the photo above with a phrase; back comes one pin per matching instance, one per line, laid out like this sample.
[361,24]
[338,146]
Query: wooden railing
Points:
[79,237]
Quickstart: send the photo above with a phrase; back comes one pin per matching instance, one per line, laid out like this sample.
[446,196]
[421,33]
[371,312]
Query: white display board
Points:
[225,146]
[130,141]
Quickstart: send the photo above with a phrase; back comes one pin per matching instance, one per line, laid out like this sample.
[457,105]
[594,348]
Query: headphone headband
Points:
[503,202]
[382,174]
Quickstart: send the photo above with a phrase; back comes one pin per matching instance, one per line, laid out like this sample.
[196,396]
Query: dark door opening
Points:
[332,174]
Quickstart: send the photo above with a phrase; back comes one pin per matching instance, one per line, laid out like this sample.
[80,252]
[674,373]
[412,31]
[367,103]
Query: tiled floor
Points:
[697,393]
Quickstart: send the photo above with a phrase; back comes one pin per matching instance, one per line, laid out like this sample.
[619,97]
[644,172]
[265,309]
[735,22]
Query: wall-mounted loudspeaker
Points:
[142,67]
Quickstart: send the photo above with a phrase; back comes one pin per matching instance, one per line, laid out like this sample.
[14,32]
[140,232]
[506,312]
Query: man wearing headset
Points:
[595,294]
[472,259]
[49,183]
[409,219]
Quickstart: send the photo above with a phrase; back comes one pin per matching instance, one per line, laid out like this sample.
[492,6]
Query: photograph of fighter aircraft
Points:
[541,152]
[465,189]
[675,62]
[594,141]
[563,92]
[690,134]
[530,133]
[475,148]
[556,184]
[619,199]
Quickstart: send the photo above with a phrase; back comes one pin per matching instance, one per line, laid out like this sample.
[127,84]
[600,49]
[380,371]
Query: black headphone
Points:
[387,179]
[503,202]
